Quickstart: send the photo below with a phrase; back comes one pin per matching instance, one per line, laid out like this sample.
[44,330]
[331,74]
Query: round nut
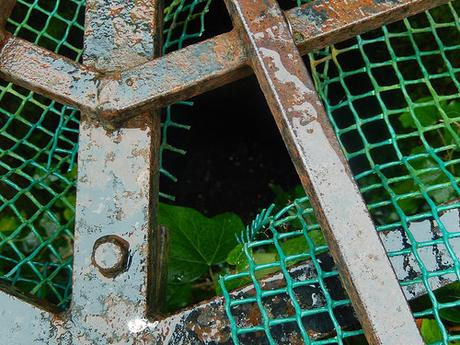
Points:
[110,255]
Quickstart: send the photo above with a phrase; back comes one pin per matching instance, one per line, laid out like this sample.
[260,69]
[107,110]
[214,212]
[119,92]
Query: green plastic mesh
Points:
[392,96]
[38,147]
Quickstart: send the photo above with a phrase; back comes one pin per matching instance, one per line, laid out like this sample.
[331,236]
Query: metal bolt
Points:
[110,255]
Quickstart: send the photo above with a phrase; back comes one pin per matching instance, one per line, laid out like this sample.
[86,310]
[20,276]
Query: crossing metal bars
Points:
[118,255]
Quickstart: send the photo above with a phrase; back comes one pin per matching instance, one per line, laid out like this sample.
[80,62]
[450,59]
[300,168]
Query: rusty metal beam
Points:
[207,322]
[361,259]
[220,60]
[113,290]
[46,73]
[27,320]
[325,22]
[193,70]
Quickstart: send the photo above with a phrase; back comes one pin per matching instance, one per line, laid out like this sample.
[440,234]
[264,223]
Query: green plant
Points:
[202,248]
[198,249]
[449,315]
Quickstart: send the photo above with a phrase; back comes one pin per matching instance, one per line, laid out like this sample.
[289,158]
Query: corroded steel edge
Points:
[118,187]
[117,96]
[361,259]
[207,322]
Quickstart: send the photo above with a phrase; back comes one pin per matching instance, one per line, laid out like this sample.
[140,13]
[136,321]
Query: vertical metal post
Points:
[117,189]
[361,259]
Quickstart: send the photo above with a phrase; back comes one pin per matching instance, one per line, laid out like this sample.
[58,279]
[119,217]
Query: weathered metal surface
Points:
[24,320]
[160,252]
[325,22]
[176,76]
[361,259]
[117,187]
[139,86]
[207,322]
[220,60]
[113,199]
[435,257]
[48,74]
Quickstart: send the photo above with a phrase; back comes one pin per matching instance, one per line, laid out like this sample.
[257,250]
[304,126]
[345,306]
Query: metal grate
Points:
[395,110]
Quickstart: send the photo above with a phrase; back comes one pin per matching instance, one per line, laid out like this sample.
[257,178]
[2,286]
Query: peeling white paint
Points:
[282,74]
[139,325]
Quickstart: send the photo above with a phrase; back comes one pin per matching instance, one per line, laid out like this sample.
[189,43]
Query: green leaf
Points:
[300,245]
[8,223]
[430,331]
[294,246]
[238,258]
[68,214]
[451,314]
[453,109]
[233,284]
[430,114]
[450,293]
[426,114]
[236,255]
[178,296]
[197,242]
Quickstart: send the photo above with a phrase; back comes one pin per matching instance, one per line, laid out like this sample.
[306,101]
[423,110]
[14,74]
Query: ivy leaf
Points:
[430,114]
[451,314]
[450,293]
[431,332]
[236,256]
[293,246]
[427,114]
[299,245]
[453,109]
[197,242]
[178,296]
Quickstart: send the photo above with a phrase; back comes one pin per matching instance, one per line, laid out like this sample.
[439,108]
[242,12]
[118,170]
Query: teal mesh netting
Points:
[392,96]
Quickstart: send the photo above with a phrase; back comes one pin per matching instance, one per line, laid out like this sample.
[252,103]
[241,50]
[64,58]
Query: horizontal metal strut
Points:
[361,259]
[115,96]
